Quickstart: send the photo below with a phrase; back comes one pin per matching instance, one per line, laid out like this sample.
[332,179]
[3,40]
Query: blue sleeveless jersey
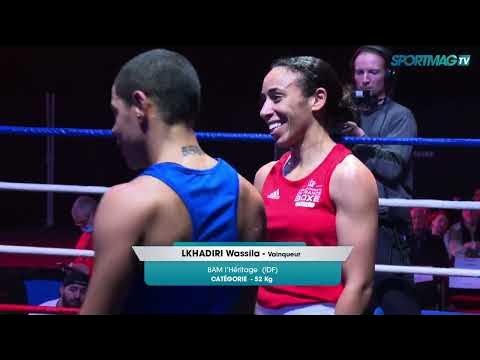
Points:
[211,198]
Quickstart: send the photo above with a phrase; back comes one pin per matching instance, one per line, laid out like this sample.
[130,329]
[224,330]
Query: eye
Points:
[276,99]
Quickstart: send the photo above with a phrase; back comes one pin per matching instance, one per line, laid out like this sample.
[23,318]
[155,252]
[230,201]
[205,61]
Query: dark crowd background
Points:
[445,101]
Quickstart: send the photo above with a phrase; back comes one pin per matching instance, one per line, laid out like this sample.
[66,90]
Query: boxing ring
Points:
[223,137]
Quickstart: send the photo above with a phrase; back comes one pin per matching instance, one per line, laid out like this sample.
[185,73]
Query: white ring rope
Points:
[26,250]
[74,189]
[434,204]
[419,270]
[23,250]
[431,204]
[400,203]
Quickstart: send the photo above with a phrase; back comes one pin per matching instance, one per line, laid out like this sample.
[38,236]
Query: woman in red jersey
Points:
[318,192]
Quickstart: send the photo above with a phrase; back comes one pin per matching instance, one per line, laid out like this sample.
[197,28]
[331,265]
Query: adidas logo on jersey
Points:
[275,195]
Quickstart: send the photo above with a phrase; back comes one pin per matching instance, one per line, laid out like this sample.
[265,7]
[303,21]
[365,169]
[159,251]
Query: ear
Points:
[61,290]
[319,99]
[140,103]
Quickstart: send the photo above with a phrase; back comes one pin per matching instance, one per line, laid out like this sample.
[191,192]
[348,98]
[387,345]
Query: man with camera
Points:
[380,116]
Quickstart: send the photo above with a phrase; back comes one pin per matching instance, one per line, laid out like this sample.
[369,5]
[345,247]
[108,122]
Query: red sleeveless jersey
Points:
[301,211]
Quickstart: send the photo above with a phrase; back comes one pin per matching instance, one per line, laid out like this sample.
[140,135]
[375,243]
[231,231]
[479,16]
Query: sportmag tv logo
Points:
[430,60]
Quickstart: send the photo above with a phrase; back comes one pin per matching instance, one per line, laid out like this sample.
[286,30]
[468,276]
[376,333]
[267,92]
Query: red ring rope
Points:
[37,309]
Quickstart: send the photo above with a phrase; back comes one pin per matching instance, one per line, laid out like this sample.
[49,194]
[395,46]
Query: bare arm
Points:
[354,191]
[252,217]
[119,224]
[261,176]
[252,228]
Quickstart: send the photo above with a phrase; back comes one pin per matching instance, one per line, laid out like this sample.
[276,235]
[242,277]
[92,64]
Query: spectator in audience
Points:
[476,194]
[83,215]
[73,288]
[419,218]
[455,216]
[476,197]
[420,229]
[427,245]
[429,250]
[464,236]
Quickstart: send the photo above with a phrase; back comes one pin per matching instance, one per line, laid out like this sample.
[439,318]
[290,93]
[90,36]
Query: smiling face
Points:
[285,109]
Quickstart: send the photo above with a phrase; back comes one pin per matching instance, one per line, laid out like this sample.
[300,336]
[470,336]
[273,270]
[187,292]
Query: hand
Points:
[352,129]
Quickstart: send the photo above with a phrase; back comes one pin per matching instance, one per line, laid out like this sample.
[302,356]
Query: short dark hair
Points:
[75,276]
[317,73]
[85,203]
[168,79]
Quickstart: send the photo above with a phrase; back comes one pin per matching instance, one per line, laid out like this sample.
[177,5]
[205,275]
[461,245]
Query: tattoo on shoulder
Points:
[191,150]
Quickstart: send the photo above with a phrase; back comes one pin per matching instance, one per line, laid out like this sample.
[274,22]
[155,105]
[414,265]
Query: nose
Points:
[266,112]
[116,134]
[366,78]
[114,130]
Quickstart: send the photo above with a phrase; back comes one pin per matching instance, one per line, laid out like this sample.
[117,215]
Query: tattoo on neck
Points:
[191,150]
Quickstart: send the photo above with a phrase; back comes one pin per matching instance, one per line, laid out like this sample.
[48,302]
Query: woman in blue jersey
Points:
[183,196]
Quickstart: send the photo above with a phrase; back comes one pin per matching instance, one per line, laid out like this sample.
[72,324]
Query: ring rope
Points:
[37,309]
[244,137]
[204,136]
[74,189]
[399,203]
[30,250]
[378,268]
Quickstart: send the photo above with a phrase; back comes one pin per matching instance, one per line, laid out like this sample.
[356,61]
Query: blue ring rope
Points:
[240,137]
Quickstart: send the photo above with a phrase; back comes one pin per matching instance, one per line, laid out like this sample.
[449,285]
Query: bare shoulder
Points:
[262,174]
[251,213]
[140,191]
[352,178]
[134,200]
[248,193]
